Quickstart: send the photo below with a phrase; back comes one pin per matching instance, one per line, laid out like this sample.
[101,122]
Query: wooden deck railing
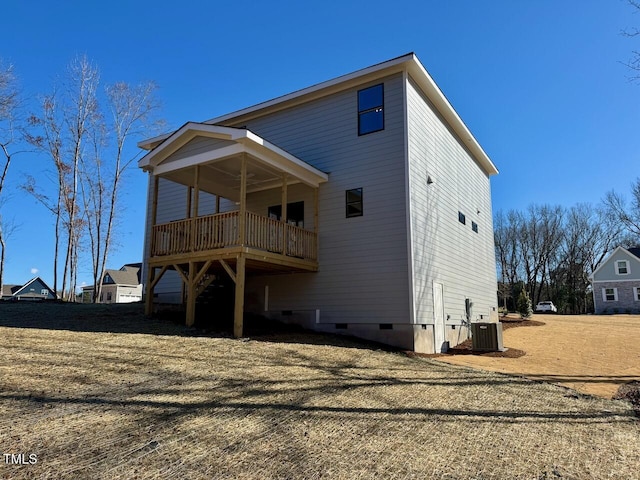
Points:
[222,230]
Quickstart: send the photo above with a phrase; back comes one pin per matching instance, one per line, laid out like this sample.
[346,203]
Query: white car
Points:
[546,307]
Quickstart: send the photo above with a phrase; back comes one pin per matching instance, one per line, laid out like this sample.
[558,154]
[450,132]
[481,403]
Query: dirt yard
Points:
[102,393]
[589,353]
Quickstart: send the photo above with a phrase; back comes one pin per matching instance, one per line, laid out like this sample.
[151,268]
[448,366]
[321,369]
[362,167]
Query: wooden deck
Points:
[220,236]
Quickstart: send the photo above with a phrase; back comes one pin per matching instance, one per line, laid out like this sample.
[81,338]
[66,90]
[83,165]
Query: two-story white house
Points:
[360,205]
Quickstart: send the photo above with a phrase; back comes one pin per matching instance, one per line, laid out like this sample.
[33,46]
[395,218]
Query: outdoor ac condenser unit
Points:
[487,337]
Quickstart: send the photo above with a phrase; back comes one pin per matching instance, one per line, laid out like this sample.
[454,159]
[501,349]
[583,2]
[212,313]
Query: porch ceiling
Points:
[220,165]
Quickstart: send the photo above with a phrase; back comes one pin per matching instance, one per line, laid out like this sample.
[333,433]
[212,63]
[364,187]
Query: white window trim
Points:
[636,294]
[604,295]
[626,262]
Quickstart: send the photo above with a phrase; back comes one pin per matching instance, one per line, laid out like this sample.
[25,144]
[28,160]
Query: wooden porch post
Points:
[196,189]
[242,237]
[283,214]
[238,312]
[148,301]
[316,207]
[191,295]
[189,197]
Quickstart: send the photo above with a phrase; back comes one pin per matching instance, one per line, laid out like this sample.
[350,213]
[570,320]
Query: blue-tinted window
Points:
[371,109]
[461,218]
[474,227]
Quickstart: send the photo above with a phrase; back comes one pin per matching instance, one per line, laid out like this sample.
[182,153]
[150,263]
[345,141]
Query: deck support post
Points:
[238,313]
[191,295]
[148,300]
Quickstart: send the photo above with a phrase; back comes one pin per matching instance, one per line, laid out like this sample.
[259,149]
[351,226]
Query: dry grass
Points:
[94,400]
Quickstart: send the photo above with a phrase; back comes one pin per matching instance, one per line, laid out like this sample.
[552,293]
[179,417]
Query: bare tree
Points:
[132,110]
[628,214]
[8,113]
[634,61]
[87,142]
[66,117]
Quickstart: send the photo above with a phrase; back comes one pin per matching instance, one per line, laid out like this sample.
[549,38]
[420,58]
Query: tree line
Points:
[550,251]
[82,130]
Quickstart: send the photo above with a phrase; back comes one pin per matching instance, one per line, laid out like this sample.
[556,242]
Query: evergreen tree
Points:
[524,305]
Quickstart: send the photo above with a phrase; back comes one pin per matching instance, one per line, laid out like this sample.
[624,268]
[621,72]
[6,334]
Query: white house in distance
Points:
[118,286]
[616,282]
[360,205]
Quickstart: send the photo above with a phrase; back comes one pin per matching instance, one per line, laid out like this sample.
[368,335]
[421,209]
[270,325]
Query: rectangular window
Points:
[371,109]
[622,267]
[474,227]
[636,294]
[461,218]
[610,294]
[44,292]
[108,296]
[354,203]
[295,213]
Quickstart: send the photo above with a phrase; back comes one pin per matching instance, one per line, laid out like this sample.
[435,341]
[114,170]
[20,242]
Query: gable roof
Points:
[22,291]
[408,64]
[127,275]
[634,253]
[241,140]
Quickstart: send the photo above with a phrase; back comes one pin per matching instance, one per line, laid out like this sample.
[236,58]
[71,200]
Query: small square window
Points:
[461,218]
[474,227]
[44,292]
[371,109]
[354,203]
[622,267]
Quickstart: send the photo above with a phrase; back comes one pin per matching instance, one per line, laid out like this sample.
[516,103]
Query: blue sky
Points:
[540,84]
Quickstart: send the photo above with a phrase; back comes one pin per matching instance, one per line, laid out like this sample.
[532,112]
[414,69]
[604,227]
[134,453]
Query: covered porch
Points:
[234,165]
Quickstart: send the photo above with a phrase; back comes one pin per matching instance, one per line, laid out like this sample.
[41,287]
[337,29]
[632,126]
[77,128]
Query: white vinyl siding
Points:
[622,267]
[363,263]
[608,271]
[445,183]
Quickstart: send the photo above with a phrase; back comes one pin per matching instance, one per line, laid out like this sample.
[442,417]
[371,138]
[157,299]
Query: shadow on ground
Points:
[129,318]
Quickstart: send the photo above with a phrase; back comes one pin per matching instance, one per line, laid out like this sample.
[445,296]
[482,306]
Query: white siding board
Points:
[363,276]
[443,249]
[607,272]
[196,146]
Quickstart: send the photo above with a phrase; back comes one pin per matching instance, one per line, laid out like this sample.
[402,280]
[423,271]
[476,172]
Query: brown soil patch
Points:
[589,353]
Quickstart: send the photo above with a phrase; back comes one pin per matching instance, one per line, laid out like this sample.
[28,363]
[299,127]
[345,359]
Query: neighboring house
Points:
[360,205]
[616,282]
[118,286]
[35,289]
